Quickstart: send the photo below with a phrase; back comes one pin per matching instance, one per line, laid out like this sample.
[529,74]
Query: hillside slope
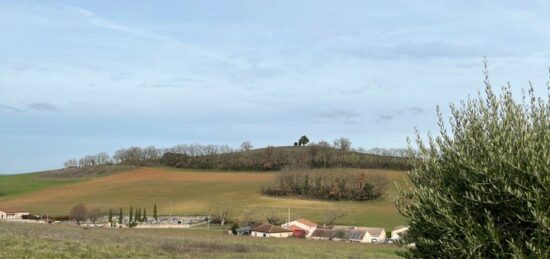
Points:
[190,192]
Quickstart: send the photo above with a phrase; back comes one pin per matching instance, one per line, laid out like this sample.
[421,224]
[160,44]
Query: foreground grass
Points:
[59,241]
[188,192]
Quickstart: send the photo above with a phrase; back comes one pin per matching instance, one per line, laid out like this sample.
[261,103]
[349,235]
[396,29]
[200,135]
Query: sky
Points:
[82,77]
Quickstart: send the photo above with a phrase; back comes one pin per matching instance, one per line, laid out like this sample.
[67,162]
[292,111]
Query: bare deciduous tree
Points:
[71,163]
[331,215]
[78,213]
[246,146]
[342,143]
[94,214]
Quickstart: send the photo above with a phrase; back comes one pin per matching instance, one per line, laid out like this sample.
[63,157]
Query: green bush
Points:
[482,190]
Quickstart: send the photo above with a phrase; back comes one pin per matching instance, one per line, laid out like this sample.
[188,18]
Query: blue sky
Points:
[81,77]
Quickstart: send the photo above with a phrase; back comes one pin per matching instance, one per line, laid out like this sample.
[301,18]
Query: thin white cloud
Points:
[42,106]
[9,108]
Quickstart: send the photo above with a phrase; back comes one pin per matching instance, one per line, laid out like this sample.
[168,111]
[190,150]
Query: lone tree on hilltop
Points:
[78,213]
[482,188]
[303,140]
[246,146]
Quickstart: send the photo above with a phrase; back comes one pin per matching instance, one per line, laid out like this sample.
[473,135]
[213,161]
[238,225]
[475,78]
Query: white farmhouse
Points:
[359,234]
[398,231]
[301,224]
[268,230]
[6,214]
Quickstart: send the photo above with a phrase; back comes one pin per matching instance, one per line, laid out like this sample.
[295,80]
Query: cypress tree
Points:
[155,215]
[131,214]
[120,217]
[111,216]
[138,215]
[144,214]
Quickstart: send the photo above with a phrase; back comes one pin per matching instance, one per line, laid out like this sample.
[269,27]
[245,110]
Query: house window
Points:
[265,235]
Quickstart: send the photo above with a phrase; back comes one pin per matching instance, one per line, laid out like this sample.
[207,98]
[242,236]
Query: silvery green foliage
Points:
[482,189]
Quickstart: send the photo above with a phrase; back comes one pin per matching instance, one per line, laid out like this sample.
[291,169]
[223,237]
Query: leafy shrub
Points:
[482,190]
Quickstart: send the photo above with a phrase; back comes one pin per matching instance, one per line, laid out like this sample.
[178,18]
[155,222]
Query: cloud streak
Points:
[42,106]
[9,108]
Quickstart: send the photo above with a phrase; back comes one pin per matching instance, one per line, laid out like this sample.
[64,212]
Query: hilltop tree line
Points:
[317,155]
[328,185]
[303,155]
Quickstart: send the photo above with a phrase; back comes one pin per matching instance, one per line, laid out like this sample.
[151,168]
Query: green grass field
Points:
[13,185]
[62,241]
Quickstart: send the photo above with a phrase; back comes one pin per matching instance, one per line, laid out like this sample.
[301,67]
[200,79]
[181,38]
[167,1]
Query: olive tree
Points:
[482,188]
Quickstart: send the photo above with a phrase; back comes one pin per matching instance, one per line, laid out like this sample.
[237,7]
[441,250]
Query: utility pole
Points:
[288,215]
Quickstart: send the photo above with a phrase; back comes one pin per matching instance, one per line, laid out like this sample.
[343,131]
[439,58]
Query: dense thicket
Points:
[482,190]
[313,156]
[328,185]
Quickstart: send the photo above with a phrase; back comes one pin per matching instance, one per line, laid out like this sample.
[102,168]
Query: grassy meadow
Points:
[190,192]
[18,184]
[63,241]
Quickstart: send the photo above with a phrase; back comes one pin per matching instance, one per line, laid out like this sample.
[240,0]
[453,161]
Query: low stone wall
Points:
[163,226]
[25,221]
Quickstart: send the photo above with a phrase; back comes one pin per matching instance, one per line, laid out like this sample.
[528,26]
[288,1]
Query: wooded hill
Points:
[293,157]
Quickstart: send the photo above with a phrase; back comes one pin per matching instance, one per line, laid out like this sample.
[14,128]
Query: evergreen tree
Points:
[144,215]
[481,190]
[138,215]
[155,215]
[131,214]
[120,217]
[111,216]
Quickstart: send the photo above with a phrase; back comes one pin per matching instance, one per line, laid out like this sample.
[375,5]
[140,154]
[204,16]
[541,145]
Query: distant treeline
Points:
[328,185]
[296,157]
[223,157]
